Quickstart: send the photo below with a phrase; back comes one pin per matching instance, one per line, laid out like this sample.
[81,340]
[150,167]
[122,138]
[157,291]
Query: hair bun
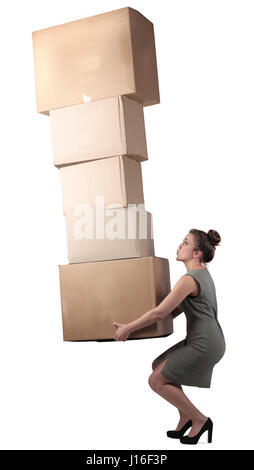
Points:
[213,237]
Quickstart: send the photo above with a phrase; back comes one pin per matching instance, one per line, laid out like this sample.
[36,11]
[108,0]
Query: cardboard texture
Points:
[116,181]
[114,234]
[93,295]
[93,58]
[100,129]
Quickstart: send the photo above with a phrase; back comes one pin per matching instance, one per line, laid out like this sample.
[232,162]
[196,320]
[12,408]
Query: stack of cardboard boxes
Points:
[92,77]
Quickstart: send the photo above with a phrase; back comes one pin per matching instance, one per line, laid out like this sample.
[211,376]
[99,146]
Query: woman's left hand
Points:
[122,332]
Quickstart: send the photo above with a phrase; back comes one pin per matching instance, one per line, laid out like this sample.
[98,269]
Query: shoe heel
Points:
[210,433]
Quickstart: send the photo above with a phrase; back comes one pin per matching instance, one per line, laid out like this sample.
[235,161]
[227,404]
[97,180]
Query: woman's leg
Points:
[175,395]
[183,418]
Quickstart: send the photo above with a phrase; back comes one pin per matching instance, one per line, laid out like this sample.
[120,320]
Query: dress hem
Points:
[184,383]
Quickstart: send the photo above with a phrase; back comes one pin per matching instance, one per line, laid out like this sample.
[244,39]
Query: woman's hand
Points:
[122,332]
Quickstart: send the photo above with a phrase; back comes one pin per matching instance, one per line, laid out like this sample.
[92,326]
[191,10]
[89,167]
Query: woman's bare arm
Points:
[182,288]
[170,304]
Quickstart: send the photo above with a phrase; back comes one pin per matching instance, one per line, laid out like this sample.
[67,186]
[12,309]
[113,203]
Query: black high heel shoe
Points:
[180,433]
[207,426]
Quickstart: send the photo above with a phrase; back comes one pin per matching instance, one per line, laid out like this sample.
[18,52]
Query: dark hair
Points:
[206,242]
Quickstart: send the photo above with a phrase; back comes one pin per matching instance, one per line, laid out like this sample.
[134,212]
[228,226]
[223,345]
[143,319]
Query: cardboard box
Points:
[93,295]
[115,181]
[94,58]
[113,234]
[100,129]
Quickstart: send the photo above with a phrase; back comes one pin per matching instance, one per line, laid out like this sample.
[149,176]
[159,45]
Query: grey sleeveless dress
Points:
[191,361]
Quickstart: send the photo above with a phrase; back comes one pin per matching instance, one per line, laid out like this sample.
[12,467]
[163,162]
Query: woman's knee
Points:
[152,381]
[154,365]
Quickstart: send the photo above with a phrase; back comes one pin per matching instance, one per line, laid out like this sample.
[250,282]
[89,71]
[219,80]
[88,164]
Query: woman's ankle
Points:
[199,419]
[183,416]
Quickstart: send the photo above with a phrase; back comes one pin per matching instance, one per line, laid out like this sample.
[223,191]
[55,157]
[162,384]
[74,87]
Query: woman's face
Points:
[186,250]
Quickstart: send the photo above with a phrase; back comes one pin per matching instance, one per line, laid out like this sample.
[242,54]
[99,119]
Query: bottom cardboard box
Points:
[94,295]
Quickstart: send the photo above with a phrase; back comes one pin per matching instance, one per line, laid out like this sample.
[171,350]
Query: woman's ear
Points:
[197,254]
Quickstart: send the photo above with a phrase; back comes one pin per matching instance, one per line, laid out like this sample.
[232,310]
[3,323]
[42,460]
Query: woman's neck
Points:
[193,265]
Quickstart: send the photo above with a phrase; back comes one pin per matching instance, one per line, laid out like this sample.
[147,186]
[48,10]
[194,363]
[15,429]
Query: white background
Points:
[64,395]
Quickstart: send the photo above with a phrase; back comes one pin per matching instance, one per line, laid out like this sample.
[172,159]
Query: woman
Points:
[191,361]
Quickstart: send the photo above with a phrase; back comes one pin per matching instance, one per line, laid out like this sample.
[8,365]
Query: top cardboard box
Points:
[96,57]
